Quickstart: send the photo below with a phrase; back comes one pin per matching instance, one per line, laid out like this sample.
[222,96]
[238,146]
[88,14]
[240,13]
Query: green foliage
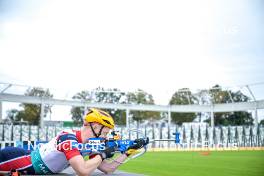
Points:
[31,112]
[142,97]
[229,118]
[113,96]
[182,97]
[78,112]
[261,122]
[101,95]
[219,96]
[240,118]
[118,115]
[232,118]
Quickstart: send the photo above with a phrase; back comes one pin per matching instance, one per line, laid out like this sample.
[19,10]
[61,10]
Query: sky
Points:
[158,46]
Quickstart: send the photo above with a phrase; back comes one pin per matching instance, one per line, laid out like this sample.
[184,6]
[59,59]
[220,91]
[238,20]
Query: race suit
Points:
[49,158]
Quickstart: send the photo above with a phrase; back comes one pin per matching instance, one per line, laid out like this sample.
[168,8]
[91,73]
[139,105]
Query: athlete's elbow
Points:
[83,172]
[107,170]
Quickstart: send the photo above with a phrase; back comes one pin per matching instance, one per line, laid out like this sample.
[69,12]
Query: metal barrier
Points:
[194,136]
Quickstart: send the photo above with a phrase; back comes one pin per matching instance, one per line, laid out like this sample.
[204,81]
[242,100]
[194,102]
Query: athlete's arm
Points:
[110,167]
[66,144]
[83,167]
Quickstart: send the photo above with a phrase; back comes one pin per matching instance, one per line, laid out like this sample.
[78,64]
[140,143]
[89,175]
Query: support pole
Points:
[1,111]
[169,125]
[127,119]
[42,115]
[212,125]
[128,123]
[169,122]
[256,117]
[212,118]
[256,110]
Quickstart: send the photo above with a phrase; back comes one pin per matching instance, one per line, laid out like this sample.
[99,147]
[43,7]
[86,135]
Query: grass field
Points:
[221,163]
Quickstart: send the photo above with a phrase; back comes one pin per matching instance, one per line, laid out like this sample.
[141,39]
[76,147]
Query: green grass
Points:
[221,163]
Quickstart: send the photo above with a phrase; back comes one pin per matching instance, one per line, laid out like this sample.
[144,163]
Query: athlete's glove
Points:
[138,144]
[107,153]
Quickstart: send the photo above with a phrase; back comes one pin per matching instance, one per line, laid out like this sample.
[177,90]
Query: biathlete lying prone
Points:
[59,153]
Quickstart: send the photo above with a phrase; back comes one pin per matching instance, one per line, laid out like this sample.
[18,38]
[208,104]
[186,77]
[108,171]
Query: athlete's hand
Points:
[138,144]
[108,152]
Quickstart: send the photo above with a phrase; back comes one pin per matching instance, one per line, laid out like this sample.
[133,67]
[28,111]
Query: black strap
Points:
[96,135]
[99,134]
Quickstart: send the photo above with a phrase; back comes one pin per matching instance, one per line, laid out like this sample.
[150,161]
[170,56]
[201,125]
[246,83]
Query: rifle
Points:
[94,144]
[120,145]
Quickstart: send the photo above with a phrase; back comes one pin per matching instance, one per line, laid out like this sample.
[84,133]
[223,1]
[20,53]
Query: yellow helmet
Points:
[99,116]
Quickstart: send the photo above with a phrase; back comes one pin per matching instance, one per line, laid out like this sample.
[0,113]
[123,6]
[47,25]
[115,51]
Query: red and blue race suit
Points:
[49,158]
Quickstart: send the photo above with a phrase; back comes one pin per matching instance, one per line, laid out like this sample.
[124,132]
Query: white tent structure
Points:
[228,107]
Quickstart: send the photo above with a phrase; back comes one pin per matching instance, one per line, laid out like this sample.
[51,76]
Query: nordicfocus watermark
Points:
[91,145]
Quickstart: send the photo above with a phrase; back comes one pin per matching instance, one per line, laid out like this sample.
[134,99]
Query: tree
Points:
[142,97]
[182,97]
[101,95]
[113,96]
[31,112]
[240,118]
[78,112]
[229,118]
[261,122]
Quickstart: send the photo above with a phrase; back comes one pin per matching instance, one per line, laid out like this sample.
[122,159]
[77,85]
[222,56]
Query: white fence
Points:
[189,136]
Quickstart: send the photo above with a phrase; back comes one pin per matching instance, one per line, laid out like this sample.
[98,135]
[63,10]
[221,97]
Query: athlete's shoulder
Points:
[67,131]
[66,135]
